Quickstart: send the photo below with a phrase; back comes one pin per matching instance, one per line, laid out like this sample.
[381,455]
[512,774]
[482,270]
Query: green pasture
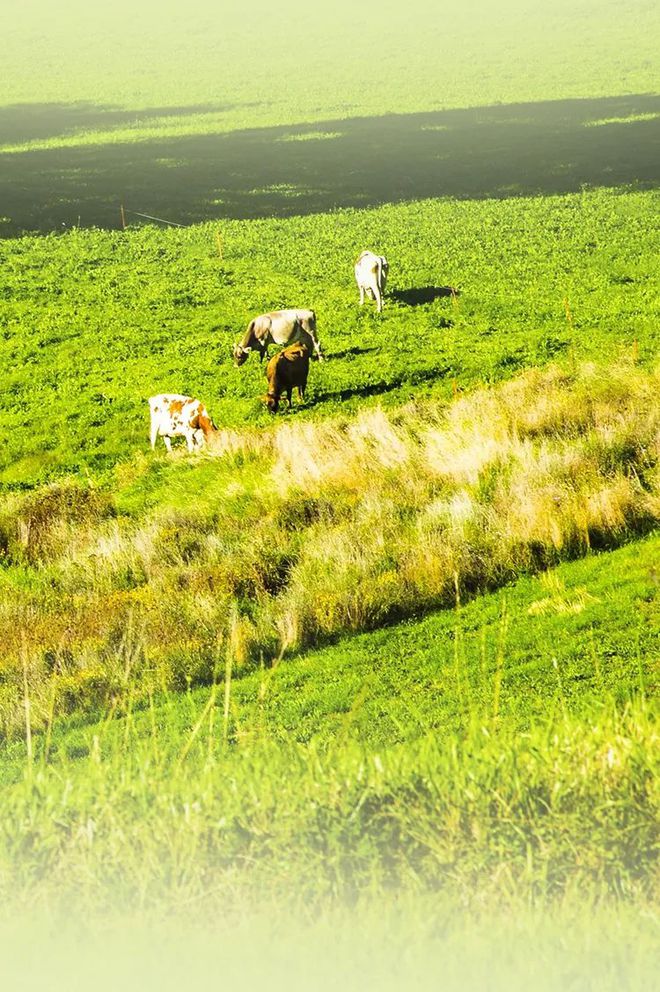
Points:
[94,322]
[472,791]
[201,111]
[134,70]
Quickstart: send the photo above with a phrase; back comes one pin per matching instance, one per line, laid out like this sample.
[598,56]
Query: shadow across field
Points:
[500,151]
[22,122]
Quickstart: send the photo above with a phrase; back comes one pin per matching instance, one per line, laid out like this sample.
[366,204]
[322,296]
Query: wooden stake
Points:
[123,217]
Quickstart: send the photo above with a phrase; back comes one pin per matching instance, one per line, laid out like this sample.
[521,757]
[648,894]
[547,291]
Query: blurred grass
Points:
[145,67]
[397,943]
[504,753]
[504,816]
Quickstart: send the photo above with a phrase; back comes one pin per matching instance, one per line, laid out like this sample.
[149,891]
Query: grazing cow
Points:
[285,371]
[279,327]
[371,276]
[174,415]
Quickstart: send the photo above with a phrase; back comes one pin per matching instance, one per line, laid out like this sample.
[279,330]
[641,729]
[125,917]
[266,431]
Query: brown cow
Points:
[285,371]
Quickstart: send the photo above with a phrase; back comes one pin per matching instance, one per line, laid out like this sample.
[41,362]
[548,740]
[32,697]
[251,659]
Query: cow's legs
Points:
[317,349]
[154,435]
[361,296]
[168,443]
[307,334]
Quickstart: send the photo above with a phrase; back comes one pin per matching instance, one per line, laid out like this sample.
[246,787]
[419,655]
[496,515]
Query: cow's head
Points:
[271,401]
[240,354]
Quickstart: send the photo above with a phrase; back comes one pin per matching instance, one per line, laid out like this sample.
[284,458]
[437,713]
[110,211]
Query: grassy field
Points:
[151,67]
[366,694]
[95,322]
[486,777]
[281,539]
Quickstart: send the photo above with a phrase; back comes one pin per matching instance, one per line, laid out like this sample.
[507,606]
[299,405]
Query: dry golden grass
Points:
[352,522]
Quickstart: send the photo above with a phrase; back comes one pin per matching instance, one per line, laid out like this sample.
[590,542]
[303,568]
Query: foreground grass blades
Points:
[492,814]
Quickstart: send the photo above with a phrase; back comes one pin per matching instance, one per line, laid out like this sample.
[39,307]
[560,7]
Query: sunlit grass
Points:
[134,812]
[281,539]
[631,119]
[157,310]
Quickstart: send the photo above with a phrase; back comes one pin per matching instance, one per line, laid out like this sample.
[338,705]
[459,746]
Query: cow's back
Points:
[285,325]
[174,411]
[167,405]
[368,264]
[290,367]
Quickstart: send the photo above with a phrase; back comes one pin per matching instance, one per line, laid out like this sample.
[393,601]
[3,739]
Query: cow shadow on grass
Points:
[549,147]
[349,352]
[414,378]
[419,295]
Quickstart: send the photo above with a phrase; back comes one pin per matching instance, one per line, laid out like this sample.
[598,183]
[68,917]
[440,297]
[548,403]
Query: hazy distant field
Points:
[197,111]
[239,64]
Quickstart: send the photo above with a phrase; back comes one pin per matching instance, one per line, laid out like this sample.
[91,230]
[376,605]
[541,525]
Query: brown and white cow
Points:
[371,277]
[286,371]
[281,327]
[173,415]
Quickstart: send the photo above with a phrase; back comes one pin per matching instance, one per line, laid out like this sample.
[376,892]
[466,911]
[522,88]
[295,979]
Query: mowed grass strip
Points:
[582,635]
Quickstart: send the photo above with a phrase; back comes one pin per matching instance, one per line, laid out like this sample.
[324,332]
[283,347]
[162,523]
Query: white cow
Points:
[173,415]
[371,276]
[281,327]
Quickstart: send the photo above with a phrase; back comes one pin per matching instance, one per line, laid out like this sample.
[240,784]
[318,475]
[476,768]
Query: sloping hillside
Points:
[514,735]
